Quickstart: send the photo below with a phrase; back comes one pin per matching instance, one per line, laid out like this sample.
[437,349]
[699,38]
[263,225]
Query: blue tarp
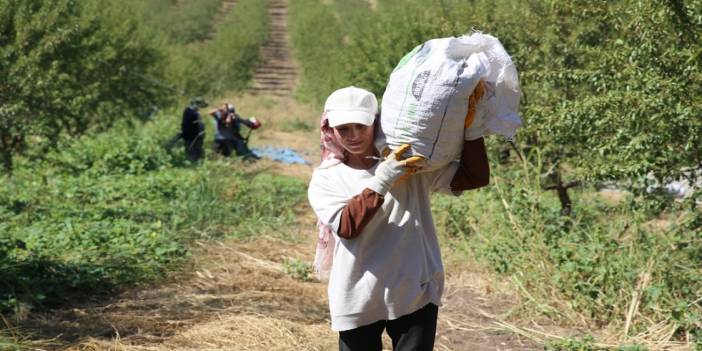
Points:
[283,155]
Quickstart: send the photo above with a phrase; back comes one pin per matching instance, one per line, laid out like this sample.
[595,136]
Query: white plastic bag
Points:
[426,100]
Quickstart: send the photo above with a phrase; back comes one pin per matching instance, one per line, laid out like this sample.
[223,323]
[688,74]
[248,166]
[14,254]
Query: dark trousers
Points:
[413,332]
[225,147]
[193,148]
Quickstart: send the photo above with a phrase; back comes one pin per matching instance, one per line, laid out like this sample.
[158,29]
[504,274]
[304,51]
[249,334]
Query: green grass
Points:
[12,340]
[587,344]
[8,344]
[297,124]
[298,269]
[582,267]
[112,210]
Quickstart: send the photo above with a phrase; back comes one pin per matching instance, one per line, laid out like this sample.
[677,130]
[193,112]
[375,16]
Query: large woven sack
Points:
[426,101]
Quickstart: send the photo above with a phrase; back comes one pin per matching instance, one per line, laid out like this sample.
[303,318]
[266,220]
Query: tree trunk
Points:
[562,191]
[566,204]
[7,161]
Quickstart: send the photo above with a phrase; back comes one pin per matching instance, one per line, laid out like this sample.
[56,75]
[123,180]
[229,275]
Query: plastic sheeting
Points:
[283,155]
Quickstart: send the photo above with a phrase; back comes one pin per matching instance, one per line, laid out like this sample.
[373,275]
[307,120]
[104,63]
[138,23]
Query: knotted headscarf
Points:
[332,154]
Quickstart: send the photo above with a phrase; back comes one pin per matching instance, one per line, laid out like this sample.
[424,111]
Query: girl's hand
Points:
[392,168]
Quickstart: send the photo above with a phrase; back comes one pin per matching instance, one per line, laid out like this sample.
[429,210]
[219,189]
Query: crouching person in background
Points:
[228,132]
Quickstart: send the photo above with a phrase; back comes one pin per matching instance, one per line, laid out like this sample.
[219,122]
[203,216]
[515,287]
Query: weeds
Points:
[587,344]
[299,270]
[604,266]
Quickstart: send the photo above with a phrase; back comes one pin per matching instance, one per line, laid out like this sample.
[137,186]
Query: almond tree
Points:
[614,89]
[68,67]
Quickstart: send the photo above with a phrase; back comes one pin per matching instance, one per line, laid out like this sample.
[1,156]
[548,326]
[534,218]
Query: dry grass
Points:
[653,339]
[480,312]
[477,303]
[237,298]
[474,302]
[240,333]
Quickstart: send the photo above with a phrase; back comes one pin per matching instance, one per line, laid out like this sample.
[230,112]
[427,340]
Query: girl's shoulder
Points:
[323,180]
[324,172]
[333,173]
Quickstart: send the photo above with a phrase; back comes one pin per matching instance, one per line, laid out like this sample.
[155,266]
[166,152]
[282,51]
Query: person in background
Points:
[228,132]
[386,273]
[192,129]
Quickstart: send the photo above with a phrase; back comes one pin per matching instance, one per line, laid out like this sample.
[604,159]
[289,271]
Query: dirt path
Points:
[277,72]
[227,6]
[240,295]
[248,295]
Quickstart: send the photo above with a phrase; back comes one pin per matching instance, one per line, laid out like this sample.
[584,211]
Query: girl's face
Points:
[355,138]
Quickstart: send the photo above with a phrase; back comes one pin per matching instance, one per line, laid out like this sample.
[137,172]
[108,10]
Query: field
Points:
[110,239]
[630,266]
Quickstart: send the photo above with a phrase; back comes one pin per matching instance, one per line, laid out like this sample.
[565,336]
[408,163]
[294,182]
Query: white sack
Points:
[426,100]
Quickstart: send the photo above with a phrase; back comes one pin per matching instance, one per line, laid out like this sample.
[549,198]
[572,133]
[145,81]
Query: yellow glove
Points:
[411,165]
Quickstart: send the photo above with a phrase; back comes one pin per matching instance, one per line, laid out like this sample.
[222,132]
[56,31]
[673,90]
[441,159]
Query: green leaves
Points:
[67,69]
[627,92]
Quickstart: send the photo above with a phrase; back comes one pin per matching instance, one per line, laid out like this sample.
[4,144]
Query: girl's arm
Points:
[474,169]
[473,172]
[354,214]
[358,212]
[244,121]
